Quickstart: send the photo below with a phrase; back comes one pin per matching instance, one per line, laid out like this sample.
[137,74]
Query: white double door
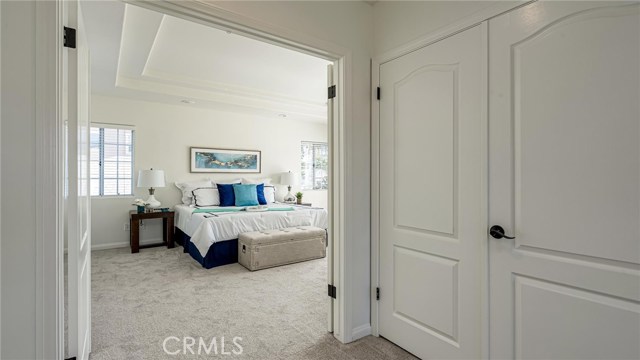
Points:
[558,156]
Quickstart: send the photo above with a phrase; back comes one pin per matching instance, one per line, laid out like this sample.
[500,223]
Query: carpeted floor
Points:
[141,299]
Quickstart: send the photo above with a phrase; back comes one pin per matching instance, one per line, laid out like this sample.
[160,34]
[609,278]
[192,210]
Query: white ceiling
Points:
[145,55]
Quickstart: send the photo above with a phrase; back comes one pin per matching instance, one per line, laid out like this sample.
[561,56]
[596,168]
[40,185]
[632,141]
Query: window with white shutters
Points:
[111,160]
[315,160]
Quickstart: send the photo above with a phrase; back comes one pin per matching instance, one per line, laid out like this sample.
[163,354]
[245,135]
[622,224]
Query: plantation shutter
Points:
[111,160]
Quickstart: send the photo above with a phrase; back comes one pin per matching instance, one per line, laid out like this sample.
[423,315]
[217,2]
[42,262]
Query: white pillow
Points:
[266,181]
[208,196]
[188,187]
[232,181]
[270,194]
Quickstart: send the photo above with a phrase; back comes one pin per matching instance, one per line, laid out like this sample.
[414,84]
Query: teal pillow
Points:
[246,194]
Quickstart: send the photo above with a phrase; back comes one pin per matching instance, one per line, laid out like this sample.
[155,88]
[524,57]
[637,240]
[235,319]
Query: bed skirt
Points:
[220,253]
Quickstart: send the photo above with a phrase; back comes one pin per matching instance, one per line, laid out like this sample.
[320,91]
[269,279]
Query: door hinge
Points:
[332,291]
[378,93]
[69,37]
[332,91]
[377,293]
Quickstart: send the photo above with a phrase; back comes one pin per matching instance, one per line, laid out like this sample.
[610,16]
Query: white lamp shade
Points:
[289,178]
[151,178]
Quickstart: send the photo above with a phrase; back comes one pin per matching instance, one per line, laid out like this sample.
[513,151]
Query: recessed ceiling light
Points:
[282,115]
[187,101]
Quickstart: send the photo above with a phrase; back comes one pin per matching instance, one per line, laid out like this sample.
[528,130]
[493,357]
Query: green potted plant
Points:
[299,198]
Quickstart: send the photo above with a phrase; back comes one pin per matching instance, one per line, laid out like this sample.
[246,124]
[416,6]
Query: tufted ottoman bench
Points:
[268,248]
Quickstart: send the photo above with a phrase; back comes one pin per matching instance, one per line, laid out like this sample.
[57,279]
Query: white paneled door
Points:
[78,197]
[432,222]
[565,181]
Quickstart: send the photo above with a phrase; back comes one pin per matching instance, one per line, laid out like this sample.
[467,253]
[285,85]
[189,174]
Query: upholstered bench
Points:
[268,248]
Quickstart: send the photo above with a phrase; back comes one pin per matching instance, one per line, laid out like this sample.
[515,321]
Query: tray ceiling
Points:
[144,55]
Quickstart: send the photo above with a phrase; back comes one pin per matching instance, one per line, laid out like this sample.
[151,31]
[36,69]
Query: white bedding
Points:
[205,229]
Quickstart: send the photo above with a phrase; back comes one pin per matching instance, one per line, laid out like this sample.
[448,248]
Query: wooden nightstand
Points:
[167,229]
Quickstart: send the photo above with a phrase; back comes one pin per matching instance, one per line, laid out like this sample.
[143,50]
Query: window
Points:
[314,166]
[111,160]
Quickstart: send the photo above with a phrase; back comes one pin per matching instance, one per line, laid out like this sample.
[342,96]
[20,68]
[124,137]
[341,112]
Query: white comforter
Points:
[205,229]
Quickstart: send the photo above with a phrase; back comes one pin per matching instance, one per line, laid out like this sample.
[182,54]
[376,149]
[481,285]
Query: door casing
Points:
[217,17]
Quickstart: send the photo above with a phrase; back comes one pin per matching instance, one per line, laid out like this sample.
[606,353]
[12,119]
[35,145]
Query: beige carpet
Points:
[280,313]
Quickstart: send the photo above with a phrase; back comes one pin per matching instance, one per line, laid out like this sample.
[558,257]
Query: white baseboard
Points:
[360,332]
[122,244]
[107,246]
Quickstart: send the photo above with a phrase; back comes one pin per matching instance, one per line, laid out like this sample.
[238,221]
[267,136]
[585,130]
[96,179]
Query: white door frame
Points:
[49,222]
[379,59]
[50,161]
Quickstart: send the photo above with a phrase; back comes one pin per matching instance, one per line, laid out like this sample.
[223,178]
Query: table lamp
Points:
[289,179]
[151,179]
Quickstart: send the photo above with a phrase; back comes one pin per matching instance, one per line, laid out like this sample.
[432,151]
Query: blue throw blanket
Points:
[237,209]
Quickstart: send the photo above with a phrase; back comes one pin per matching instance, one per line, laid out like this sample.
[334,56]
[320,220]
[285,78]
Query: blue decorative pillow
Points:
[246,194]
[261,199]
[227,196]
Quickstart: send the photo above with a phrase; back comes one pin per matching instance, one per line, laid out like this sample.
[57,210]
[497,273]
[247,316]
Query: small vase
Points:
[140,209]
[299,201]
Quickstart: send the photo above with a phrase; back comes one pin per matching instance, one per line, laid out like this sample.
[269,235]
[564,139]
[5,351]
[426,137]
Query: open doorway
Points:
[150,111]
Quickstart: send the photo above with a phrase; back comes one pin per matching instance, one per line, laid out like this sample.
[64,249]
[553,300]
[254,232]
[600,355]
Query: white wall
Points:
[17,185]
[164,133]
[399,22]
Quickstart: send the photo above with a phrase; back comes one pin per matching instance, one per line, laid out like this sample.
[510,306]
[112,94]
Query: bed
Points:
[210,234]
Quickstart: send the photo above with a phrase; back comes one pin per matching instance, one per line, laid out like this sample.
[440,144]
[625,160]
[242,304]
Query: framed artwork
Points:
[208,160]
